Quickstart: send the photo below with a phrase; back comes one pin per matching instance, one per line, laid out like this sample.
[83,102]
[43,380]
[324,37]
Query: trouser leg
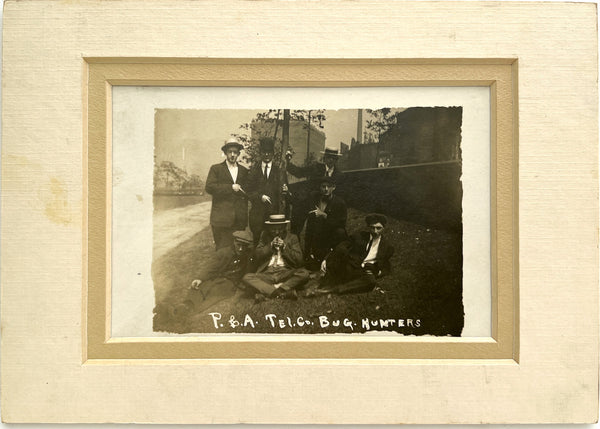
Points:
[260,281]
[299,214]
[364,283]
[299,277]
[223,236]
[256,228]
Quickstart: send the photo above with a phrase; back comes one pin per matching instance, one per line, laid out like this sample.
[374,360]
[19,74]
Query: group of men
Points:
[258,249]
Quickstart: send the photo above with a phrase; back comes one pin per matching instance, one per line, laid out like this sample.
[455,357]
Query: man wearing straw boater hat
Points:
[265,188]
[314,173]
[226,182]
[279,260]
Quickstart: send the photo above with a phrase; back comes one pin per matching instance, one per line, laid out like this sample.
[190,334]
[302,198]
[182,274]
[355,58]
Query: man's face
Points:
[327,189]
[232,154]
[277,230]
[376,229]
[329,160]
[239,246]
[267,156]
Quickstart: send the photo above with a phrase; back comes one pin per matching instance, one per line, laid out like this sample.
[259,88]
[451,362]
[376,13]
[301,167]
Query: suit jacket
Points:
[336,213]
[357,251]
[291,253]
[225,262]
[258,186]
[229,208]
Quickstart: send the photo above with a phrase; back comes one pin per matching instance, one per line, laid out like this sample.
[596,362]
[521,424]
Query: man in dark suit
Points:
[265,187]
[301,193]
[226,182]
[279,260]
[326,223]
[221,272]
[356,264]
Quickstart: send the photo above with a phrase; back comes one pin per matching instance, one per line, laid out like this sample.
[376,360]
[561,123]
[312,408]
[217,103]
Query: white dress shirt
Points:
[372,255]
[233,170]
[268,165]
[277,260]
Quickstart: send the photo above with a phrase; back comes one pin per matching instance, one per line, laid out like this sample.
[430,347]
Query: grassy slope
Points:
[426,284]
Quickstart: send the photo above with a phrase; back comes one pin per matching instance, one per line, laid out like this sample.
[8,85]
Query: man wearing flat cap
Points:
[279,260]
[265,188]
[326,223]
[221,272]
[226,182]
[357,263]
[301,194]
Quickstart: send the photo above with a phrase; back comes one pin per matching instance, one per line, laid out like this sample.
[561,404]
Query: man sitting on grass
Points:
[279,258]
[355,265]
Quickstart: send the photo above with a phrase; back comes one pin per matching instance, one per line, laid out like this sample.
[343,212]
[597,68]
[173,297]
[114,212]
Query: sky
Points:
[192,139]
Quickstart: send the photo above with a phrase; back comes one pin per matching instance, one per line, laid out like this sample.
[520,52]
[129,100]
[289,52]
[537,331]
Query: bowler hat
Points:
[373,218]
[327,179]
[244,236]
[232,142]
[277,219]
[267,144]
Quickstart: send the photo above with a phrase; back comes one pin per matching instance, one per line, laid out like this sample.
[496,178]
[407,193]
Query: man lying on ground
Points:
[279,260]
[218,278]
[228,263]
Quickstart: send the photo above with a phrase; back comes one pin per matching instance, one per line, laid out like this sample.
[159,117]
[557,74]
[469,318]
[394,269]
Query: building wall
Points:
[428,194]
[298,139]
[424,134]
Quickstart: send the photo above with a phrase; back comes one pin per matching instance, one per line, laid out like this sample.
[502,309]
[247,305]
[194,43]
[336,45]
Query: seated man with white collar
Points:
[279,258]
[356,264]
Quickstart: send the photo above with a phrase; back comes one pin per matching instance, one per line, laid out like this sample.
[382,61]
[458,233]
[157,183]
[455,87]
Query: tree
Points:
[270,124]
[168,176]
[381,120]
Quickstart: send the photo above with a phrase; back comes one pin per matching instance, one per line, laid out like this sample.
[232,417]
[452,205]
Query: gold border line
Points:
[100,74]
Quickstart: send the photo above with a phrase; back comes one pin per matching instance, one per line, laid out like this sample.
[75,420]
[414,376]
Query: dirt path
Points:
[173,227]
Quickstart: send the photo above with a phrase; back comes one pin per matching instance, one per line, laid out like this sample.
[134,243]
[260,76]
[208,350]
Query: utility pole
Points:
[359,131]
[308,141]
[285,143]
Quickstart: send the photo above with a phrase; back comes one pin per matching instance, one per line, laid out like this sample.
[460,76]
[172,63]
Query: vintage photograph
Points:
[284,221]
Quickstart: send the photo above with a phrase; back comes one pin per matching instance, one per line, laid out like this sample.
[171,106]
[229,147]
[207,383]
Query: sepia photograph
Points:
[297,221]
[308,221]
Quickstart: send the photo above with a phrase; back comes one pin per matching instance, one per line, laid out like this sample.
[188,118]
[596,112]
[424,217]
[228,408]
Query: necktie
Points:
[266,169]
[369,245]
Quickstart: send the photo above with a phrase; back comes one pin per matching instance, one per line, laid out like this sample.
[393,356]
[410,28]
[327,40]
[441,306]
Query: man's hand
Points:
[277,243]
[196,284]
[288,155]
[319,213]
[236,188]
[266,199]
[284,188]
